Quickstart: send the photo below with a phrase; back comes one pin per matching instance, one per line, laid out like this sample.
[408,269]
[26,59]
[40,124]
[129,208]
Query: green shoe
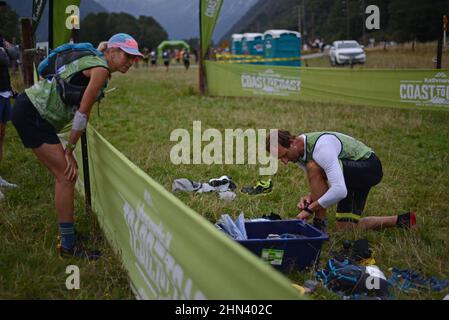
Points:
[261,187]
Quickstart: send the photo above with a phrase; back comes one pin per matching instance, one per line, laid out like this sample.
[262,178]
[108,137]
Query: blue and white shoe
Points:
[6,184]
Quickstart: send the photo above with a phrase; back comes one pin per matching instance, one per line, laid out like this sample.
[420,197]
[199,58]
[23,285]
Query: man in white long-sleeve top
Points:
[340,170]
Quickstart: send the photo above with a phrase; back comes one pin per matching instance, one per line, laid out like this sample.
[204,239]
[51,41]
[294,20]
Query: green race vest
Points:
[47,100]
[352,149]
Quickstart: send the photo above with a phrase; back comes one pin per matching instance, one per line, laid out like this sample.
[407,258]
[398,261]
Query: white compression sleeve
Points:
[326,152]
[79,121]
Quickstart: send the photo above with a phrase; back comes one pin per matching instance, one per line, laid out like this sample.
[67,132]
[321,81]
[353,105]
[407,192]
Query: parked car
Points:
[346,52]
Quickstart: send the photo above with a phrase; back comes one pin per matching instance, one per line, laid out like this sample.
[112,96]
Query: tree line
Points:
[400,20]
[9,23]
[101,26]
[97,27]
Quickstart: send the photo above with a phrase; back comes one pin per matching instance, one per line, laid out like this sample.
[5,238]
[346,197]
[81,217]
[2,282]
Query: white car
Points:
[346,52]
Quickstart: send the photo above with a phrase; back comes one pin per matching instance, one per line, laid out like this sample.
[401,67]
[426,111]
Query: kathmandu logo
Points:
[427,92]
[270,83]
[211,8]
[439,100]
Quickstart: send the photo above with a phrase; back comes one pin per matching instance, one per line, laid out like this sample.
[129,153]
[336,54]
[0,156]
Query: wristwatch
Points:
[307,209]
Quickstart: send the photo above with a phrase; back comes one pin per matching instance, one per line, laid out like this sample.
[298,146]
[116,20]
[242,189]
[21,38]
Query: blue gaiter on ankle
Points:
[67,235]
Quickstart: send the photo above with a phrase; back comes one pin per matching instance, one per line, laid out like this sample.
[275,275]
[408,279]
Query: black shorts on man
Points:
[360,176]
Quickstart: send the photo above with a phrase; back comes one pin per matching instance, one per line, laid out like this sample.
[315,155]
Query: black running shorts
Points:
[31,127]
[359,176]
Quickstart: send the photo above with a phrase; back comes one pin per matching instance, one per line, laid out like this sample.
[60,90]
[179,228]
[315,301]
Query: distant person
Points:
[153,58]
[195,54]
[41,112]
[146,57]
[186,59]
[166,59]
[7,53]
[322,45]
[178,56]
[340,170]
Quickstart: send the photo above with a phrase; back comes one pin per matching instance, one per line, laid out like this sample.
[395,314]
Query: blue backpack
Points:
[48,69]
[63,55]
[341,276]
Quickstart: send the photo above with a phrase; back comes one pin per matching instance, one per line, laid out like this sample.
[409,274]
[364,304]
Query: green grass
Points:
[138,118]
[398,57]
[29,265]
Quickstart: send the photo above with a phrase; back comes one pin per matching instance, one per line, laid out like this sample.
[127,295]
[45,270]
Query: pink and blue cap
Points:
[126,43]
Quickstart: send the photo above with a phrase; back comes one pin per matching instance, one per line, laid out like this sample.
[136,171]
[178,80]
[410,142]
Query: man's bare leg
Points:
[318,186]
[369,223]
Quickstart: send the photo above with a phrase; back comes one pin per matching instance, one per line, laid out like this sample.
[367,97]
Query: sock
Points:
[67,235]
[404,220]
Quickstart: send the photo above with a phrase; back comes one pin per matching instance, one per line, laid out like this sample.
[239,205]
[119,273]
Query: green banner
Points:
[62,10]
[38,9]
[209,11]
[376,87]
[247,80]
[170,251]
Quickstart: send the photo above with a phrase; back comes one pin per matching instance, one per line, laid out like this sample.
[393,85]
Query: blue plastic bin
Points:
[285,254]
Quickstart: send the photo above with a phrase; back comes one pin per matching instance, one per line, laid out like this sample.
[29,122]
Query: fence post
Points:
[84,149]
[28,51]
[439,52]
[202,82]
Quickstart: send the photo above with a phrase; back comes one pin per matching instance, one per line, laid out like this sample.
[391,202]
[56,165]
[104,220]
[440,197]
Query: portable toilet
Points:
[252,45]
[236,47]
[282,44]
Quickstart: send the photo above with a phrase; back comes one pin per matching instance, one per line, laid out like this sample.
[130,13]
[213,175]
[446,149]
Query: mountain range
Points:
[180,17]
[400,20]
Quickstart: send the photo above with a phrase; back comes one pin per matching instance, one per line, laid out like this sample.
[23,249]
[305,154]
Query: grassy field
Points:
[397,57]
[138,118]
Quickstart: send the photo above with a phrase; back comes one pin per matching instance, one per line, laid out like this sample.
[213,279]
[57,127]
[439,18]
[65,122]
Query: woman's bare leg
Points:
[52,156]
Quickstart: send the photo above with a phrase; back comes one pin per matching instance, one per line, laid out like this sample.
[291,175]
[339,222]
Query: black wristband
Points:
[307,209]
